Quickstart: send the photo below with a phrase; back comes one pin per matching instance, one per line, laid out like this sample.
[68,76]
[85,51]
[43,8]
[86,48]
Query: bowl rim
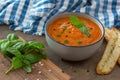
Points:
[76,13]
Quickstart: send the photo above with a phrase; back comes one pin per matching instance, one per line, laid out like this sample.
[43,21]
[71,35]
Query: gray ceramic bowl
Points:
[73,53]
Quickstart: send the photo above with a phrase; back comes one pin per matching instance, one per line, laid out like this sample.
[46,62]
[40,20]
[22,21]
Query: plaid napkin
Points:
[30,16]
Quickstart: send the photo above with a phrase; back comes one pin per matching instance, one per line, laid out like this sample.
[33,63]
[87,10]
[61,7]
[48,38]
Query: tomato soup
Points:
[63,31]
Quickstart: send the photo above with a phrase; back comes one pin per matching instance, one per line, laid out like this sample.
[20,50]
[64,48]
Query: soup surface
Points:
[63,31]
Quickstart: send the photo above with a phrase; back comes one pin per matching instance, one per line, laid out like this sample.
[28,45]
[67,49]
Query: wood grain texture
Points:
[43,70]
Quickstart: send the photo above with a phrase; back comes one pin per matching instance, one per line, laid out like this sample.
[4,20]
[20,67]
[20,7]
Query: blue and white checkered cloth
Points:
[30,16]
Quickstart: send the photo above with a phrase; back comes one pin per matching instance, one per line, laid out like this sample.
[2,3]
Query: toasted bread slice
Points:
[107,36]
[111,54]
[107,33]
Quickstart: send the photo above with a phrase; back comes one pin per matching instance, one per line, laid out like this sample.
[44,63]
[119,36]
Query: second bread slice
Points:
[110,55]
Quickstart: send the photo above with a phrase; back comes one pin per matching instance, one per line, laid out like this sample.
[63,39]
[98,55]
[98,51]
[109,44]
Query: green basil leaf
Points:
[32,46]
[17,63]
[13,42]
[12,36]
[27,65]
[28,68]
[4,51]
[42,53]
[85,30]
[74,20]
[80,25]
[14,51]
[32,57]
[25,61]
[19,46]
[3,41]
[36,44]
[5,45]
[21,53]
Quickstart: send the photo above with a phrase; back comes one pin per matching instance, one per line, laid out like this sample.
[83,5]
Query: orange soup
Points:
[63,31]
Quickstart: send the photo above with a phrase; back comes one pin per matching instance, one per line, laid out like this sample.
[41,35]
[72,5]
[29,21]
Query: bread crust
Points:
[107,36]
[111,53]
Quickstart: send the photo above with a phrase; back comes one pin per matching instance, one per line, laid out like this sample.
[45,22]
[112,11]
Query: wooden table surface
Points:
[80,70]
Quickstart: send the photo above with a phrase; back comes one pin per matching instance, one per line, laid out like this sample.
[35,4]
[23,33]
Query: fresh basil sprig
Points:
[80,25]
[21,54]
